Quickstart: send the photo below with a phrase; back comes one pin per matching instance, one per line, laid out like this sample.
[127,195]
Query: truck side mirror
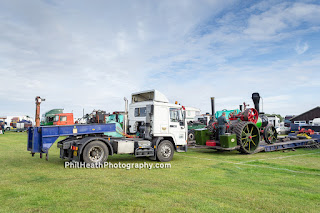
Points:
[182,122]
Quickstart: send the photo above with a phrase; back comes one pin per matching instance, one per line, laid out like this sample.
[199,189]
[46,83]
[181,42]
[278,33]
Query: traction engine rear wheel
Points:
[248,137]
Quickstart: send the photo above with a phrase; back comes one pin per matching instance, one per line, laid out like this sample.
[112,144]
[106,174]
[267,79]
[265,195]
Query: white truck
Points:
[154,118]
[6,120]
[154,128]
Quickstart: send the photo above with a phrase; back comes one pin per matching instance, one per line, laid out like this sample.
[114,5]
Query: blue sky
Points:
[91,54]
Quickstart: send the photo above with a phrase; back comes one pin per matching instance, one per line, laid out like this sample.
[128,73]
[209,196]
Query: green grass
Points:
[200,180]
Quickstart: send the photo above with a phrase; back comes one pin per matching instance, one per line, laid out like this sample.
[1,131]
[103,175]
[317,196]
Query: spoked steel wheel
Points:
[270,134]
[251,115]
[248,137]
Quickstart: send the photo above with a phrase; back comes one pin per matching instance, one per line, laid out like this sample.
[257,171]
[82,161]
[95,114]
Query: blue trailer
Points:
[287,145]
[88,143]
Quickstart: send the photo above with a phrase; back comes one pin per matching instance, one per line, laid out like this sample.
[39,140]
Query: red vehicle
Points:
[63,119]
[14,122]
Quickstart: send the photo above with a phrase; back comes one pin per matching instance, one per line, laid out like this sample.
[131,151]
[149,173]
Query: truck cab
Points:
[151,116]
[63,119]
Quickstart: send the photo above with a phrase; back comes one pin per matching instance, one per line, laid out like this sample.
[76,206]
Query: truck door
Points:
[177,126]
[63,120]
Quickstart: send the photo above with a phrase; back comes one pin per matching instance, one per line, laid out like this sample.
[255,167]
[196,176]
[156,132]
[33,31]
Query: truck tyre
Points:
[191,135]
[95,152]
[165,151]
[8,129]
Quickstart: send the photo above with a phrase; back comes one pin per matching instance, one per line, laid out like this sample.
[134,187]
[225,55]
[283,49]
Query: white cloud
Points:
[90,55]
[301,48]
[275,22]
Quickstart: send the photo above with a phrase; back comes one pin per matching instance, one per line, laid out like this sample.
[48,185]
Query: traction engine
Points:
[249,126]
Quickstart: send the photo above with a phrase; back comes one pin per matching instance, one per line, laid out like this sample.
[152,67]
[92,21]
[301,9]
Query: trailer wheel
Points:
[95,152]
[165,151]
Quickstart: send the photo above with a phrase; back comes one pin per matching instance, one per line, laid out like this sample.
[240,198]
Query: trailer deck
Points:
[285,145]
[40,139]
[279,145]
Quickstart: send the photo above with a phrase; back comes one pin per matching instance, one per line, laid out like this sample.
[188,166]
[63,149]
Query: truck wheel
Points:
[191,136]
[165,151]
[8,129]
[95,152]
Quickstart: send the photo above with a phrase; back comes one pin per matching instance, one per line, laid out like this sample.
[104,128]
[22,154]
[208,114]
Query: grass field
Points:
[200,180]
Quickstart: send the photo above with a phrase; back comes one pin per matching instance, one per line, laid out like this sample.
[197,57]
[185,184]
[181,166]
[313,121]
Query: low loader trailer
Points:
[291,144]
[154,128]
[249,132]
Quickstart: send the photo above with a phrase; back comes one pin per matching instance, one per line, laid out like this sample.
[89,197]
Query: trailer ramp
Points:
[287,145]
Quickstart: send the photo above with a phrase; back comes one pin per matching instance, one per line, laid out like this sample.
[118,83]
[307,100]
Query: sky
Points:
[91,54]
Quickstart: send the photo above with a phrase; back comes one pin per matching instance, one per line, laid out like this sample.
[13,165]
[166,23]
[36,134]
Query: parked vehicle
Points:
[282,129]
[10,122]
[294,127]
[63,119]
[287,121]
[199,122]
[154,128]
[5,125]
[14,122]
[22,126]
[315,125]
[316,122]
[97,116]
[115,117]
[48,117]
[191,114]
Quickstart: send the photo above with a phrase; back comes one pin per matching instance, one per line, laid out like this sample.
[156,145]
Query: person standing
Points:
[1,128]
[222,121]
